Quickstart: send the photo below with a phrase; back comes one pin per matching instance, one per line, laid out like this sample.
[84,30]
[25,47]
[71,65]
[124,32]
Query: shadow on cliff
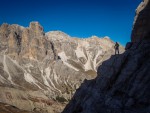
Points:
[112,68]
[117,83]
[106,72]
[141,29]
[122,83]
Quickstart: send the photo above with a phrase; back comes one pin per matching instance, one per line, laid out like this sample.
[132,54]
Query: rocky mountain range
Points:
[41,71]
[123,81]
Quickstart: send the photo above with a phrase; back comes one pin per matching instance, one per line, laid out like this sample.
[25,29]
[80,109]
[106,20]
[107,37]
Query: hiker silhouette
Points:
[116,48]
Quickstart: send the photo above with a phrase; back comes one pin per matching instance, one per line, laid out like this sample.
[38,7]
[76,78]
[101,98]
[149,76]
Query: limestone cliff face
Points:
[43,70]
[122,84]
[20,42]
[141,27]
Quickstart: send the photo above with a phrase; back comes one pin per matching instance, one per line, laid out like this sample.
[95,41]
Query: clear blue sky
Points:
[79,18]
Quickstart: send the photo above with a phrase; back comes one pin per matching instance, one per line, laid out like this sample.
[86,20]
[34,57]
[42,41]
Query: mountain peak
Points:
[35,26]
[53,62]
[57,35]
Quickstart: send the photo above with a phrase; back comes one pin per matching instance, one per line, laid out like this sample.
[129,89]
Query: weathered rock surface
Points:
[5,108]
[42,70]
[122,84]
[142,19]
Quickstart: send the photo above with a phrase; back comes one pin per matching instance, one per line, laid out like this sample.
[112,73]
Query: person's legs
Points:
[118,50]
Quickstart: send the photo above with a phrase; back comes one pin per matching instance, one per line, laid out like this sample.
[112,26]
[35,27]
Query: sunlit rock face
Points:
[6,108]
[122,84]
[141,28]
[41,70]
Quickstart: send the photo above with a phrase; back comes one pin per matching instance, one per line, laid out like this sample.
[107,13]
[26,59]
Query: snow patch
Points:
[79,52]
[88,66]
[6,69]
[28,67]
[94,62]
[55,76]
[69,65]
[29,78]
[47,71]
[64,58]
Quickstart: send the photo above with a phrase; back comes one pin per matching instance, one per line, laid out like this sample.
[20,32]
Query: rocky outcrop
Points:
[6,108]
[30,100]
[141,28]
[122,84]
[43,70]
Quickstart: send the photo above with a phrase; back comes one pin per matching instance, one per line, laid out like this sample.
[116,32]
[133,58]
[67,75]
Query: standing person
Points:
[116,48]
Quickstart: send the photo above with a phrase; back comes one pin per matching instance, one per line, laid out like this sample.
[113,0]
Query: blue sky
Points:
[78,18]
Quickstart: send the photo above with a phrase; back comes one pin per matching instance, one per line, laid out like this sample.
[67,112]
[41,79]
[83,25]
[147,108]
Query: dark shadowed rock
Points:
[128,45]
[122,84]
[141,27]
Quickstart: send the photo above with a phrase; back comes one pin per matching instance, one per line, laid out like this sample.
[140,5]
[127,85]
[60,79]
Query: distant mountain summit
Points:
[41,70]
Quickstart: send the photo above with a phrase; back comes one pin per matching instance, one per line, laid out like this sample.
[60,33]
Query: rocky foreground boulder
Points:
[123,81]
[41,70]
